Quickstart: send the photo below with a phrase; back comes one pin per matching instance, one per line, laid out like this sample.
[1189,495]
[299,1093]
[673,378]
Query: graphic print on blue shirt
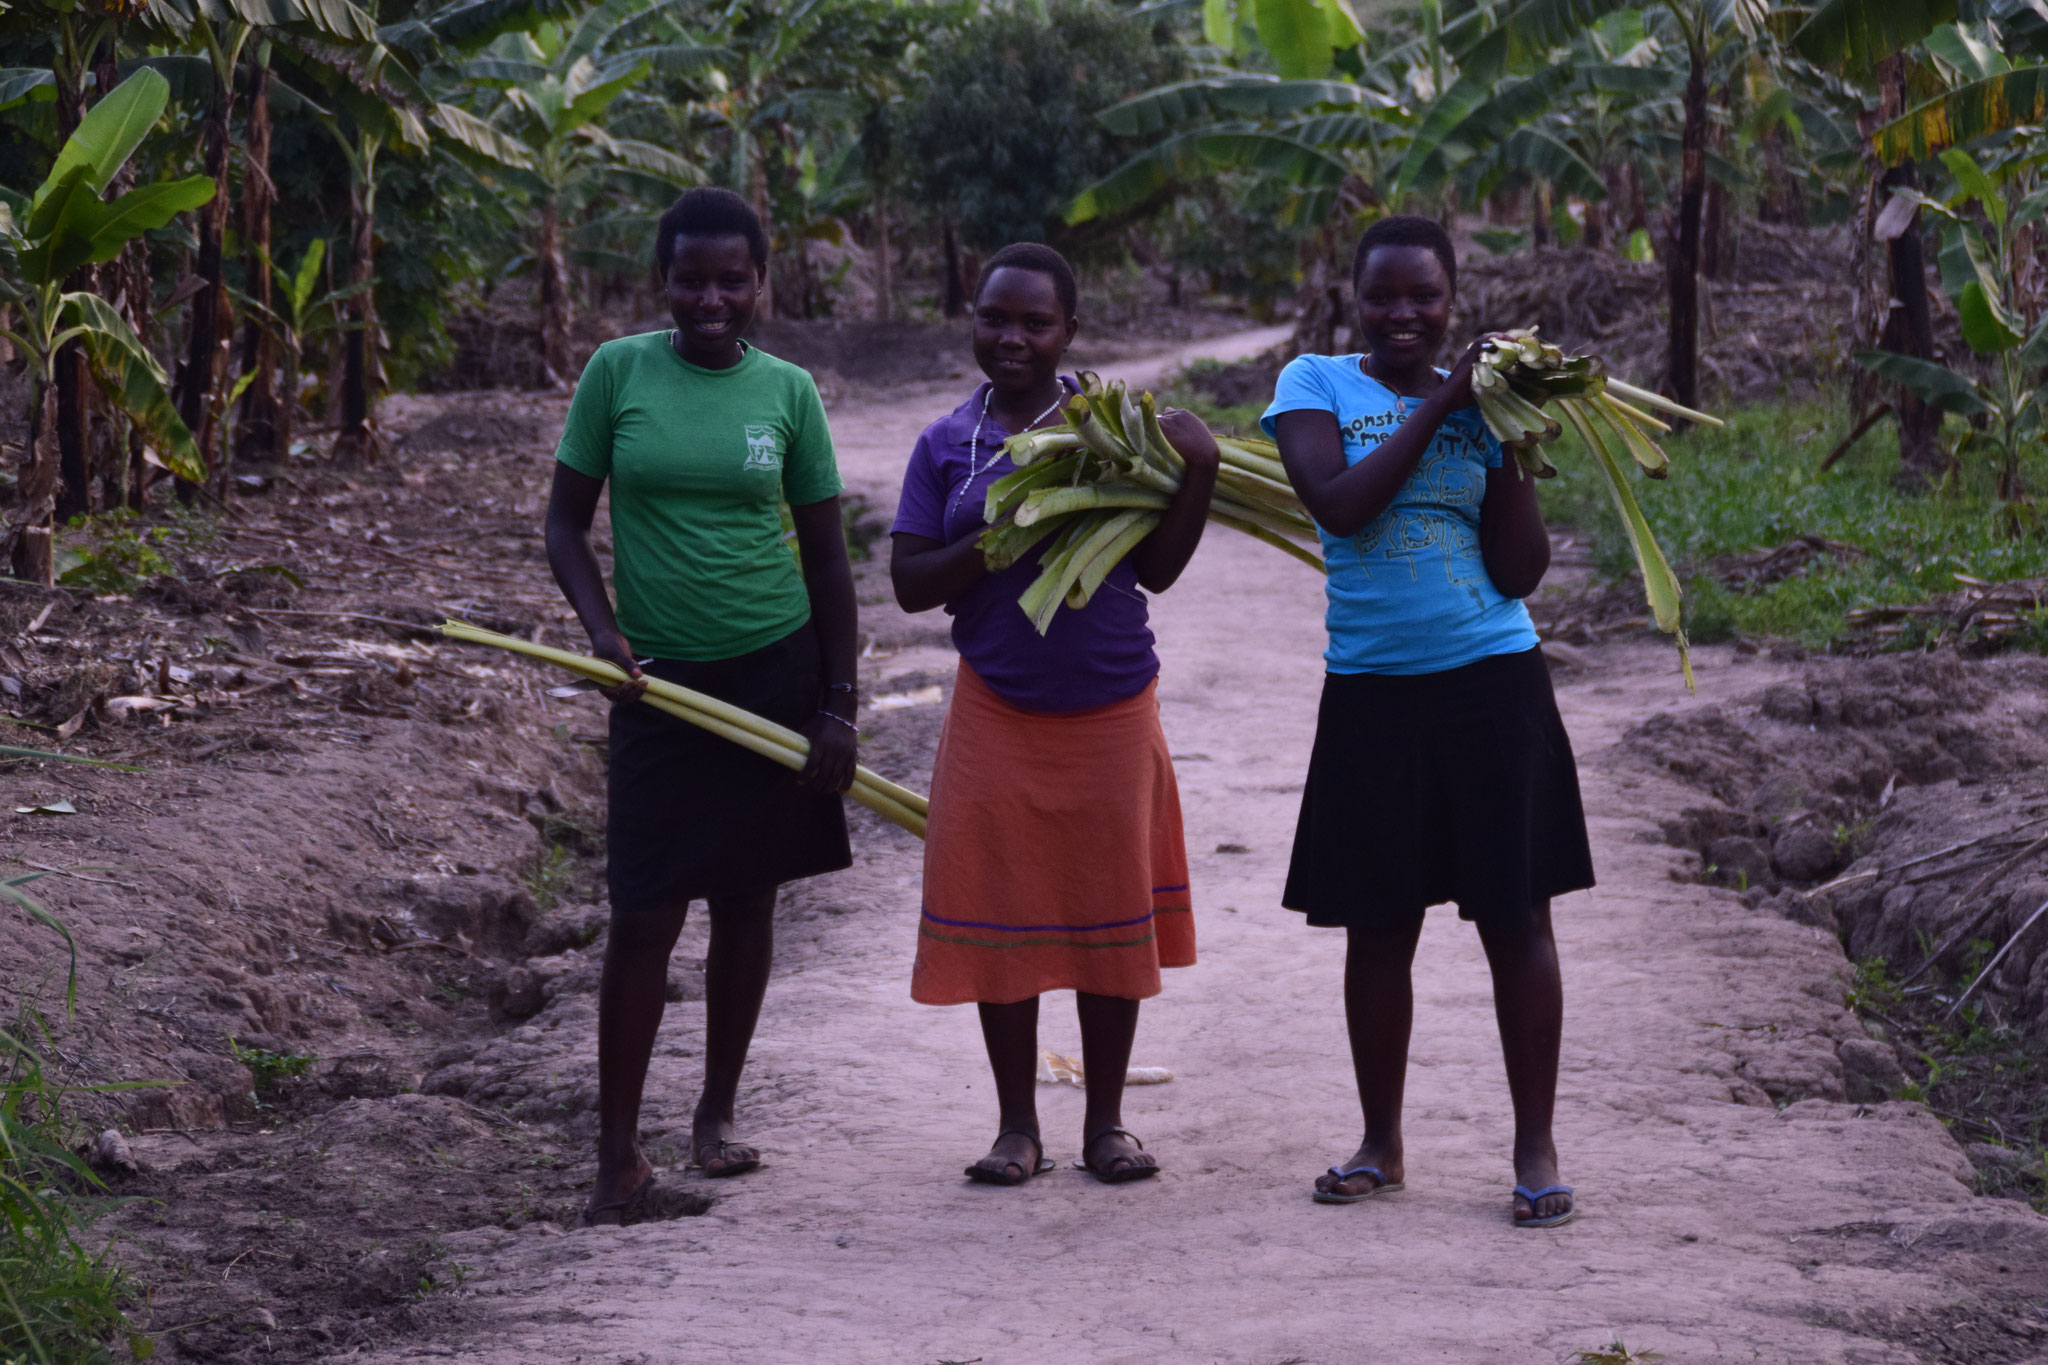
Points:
[1409,593]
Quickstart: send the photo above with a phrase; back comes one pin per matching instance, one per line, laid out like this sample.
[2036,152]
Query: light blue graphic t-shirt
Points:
[1410,592]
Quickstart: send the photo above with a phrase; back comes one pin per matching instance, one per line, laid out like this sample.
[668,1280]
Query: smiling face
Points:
[1020,332]
[713,287]
[1404,307]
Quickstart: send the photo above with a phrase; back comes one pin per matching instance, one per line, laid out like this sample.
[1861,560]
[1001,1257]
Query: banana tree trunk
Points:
[757,193]
[74,433]
[1319,302]
[256,437]
[885,264]
[1717,235]
[205,357]
[1682,261]
[1907,326]
[1909,330]
[34,558]
[71,488]
[554,294]
[125,282]
[355,443]
[953,296]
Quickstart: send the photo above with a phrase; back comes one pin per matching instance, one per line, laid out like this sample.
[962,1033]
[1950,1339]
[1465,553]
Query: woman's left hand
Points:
[835,746]
[1191,439]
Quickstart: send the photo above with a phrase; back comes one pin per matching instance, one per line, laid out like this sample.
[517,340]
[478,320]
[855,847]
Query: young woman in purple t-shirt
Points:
[1053,857]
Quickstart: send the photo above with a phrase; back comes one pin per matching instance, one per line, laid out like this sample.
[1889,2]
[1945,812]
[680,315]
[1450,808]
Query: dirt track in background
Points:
[407,1200]
[1735,1207]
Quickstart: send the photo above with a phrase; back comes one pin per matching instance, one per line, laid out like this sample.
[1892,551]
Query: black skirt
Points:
[1454,786]
[691,815]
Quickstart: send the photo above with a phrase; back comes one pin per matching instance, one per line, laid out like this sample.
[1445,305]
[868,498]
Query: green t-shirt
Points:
[699,460]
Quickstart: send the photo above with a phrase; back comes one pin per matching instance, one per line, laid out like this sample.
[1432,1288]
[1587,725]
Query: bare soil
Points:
[358,846]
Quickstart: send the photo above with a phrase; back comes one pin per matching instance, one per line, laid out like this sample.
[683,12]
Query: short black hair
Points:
[1041,258]
[708,211]
[1406,229]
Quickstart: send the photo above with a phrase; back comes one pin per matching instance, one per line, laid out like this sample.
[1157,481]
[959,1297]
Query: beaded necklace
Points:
[975,469]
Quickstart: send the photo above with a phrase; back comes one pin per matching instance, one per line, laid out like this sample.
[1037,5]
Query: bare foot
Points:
[1384,1158]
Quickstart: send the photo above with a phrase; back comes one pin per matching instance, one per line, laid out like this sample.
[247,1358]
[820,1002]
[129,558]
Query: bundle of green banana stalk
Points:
[1517,375]
[1097,483]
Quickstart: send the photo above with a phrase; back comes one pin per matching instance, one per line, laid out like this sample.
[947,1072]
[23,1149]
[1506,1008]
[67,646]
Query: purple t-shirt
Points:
[1087,658]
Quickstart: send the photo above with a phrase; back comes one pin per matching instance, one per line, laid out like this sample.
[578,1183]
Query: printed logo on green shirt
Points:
[764,447]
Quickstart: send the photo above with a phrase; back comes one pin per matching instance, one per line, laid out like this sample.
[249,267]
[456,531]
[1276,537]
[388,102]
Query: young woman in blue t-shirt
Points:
[1441,770]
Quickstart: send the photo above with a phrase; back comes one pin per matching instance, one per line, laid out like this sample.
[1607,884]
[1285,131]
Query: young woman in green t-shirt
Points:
[702,438]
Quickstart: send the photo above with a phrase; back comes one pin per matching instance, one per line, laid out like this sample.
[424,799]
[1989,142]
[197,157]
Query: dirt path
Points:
[1717,1225]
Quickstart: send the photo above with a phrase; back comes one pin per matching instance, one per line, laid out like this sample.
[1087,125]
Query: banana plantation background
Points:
[228,226]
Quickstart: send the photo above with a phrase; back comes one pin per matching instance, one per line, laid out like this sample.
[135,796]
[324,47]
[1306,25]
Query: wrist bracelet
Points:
[841,719]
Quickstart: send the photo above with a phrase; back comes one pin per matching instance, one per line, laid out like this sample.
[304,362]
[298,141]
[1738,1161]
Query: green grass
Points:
[60,1293]
[1755,484]
[1986,1080]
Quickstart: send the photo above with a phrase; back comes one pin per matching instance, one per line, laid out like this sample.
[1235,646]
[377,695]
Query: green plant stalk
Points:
[1004,544]
[1660,585]
[1646,452]
[1288,516]
[1232,477]
[1237,456]
[1095,435]
[1636,414]
[1108,558]
[1064,575]
[876,800]
[10,752]
[1028,448]
[1059,501]
[1273,538]
[1659,402]
[699,708]
[1280,523]
[1054,557]
[1007,492]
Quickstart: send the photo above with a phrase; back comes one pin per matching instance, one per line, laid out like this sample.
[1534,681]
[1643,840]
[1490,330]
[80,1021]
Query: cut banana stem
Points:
[1059,501]
[1636,414]
[753,732]
[1660,402]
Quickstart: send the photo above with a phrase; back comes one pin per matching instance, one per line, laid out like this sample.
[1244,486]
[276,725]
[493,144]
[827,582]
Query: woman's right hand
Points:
[614,650]
[1456,389]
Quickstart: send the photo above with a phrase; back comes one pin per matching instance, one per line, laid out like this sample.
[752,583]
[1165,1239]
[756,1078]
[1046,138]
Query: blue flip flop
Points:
[1556,1219]
[1383,1187]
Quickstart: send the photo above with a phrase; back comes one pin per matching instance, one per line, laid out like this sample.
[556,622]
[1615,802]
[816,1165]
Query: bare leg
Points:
[1379,1009]
[735,978]
[1528,1001]
[630,1000]
[1108,1024]
[1010,1033]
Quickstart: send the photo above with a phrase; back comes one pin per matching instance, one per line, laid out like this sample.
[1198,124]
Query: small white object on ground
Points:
[1056,1068]
[896,701]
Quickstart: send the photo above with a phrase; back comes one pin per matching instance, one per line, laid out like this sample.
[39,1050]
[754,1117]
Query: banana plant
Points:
[1303,37]
[296,317]
[1978,272]
[559,85]
[44,237]
[1912,47]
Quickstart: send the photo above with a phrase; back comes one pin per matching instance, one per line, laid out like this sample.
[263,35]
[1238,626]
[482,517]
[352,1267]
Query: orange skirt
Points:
[1053,858]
